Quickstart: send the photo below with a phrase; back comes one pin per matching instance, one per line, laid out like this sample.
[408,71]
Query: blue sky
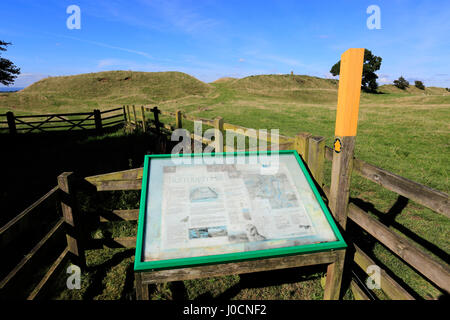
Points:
[213,39]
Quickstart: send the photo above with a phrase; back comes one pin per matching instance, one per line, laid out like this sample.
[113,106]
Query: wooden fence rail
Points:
[62,121]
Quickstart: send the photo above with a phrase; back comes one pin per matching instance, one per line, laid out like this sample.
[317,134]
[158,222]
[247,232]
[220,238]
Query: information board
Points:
[212,208]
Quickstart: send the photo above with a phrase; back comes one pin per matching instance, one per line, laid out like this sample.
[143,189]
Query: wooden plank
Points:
[131,174]
[73,218]
[55,115]
[111,110]
[116,185]
[435,271]
[216,270]
[127,215]
[48,275]
[334,277]
[27,259]
[141,288]
[316,158]
[394,290]
[358,292]
[19,223]
[435,200]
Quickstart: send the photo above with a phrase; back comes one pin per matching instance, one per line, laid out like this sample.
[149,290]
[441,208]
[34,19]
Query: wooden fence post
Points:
[135,118]
[316,158]
[72,218]
[143,119]
[125,119]
[156,113]
[345,132]
[98,120]
[178,121]
[218,136]
[11,122]
[302,144]
[128,114]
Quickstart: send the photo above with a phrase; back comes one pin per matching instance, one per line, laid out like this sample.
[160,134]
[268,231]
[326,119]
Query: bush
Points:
[401,83]
[419,85]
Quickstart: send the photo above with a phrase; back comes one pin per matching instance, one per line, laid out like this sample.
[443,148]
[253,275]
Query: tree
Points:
[419,85]
[371,64]
[8,71]
[401,83]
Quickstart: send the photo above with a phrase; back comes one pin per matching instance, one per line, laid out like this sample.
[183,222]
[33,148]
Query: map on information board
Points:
[207,209]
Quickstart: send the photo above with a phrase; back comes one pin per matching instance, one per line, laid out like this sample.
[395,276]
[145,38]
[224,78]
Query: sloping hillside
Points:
[156,86]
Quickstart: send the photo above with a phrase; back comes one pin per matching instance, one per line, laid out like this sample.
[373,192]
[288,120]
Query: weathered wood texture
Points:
[120,180]
[391,287]
[424,263]
[302,145]
[334,277]
[435,271]
[316,158]
[72,217]
[341,173]
[199,272]
[358,292]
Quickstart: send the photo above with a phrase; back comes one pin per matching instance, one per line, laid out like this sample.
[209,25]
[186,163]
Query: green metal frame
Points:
[140,265]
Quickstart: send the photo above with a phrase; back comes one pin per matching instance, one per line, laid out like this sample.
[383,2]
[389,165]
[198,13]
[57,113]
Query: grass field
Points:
[406,132]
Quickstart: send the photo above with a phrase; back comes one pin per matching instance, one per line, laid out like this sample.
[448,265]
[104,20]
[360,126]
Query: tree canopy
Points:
[371,64]
[401,83]
[8,71]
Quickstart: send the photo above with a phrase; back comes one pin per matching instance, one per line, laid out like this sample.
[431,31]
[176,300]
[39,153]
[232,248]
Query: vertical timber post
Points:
[72,218]
[144,125]
[156,113]
[178,121]
[316,158]
[135,118]
[302,145]
[345,132]
[11,122]
[98,120]
[128,114]
[124,115]
[218,136]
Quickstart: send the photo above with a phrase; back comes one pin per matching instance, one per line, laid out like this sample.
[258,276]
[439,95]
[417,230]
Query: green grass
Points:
[403,131]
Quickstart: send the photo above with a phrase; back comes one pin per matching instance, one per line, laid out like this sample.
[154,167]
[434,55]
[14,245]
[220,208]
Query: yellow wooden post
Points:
[345,131]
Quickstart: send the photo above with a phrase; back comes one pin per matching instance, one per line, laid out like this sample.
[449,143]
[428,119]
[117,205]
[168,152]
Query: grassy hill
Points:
[103,90]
